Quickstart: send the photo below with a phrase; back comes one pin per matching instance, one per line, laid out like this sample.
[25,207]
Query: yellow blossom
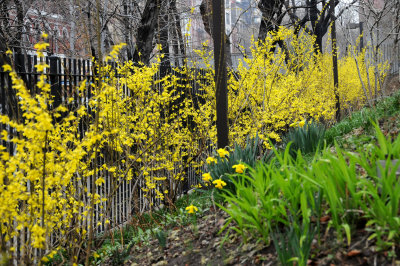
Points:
[211,160]
[41,67]
[222,153]
[41,46]
[99,181]
[219,183]
[239,168]
[7,68]
[207,177]
[191,209]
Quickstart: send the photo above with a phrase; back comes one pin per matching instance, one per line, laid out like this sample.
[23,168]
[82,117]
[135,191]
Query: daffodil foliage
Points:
[144,130]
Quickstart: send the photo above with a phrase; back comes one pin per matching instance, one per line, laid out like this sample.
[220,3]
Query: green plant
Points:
[250,154]
[384,108]
[161,236]
[266,194]
[381,189]
[294,243]
[307,138]
[337,176]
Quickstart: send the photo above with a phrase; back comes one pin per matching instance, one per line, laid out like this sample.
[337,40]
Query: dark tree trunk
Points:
[221,91]
[272,16]
[206,15]
[145,33]
[320,20]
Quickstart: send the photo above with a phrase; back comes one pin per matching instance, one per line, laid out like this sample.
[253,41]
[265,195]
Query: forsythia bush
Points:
[147,131]
[272,90]
[53,183]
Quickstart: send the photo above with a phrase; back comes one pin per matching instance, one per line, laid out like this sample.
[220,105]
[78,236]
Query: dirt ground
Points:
[202,245]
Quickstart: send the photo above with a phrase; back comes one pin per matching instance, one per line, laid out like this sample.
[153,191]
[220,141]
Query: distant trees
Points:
[13,26]
[381,22]
[312,16]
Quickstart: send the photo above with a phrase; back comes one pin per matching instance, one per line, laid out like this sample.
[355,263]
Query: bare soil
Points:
[202,245]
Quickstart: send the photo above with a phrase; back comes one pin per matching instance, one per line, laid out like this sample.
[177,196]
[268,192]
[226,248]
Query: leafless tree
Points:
[381,21]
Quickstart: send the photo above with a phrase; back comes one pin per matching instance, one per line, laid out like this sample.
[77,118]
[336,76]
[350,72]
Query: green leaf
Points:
[348,233]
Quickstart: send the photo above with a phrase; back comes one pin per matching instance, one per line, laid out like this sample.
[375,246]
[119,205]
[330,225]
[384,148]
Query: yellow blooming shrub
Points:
[270,91]
[53,182]
[37,181]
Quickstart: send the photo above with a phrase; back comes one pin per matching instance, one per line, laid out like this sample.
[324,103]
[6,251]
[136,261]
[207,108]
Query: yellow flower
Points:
[207,177]
[44,35]
[222,153]
[239,168]
[41,67]
[100,181]
[300,124]
[7,67]
[9,52]
[191,209]
[41,46]
[211,160]
[219,183]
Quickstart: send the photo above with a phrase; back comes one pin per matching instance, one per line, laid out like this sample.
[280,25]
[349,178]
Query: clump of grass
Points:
[384,108]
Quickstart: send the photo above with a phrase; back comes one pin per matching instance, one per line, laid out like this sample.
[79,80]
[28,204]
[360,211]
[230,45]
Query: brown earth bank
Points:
[201,244]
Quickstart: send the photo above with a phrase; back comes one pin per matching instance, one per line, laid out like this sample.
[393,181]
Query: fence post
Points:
[55,85]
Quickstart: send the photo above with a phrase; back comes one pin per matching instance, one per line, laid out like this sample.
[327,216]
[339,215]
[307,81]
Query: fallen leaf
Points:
[354,252]
[324,219]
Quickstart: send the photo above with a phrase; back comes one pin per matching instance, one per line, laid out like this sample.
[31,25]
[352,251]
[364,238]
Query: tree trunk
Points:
[272,16]
[206,15]
[145,33]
